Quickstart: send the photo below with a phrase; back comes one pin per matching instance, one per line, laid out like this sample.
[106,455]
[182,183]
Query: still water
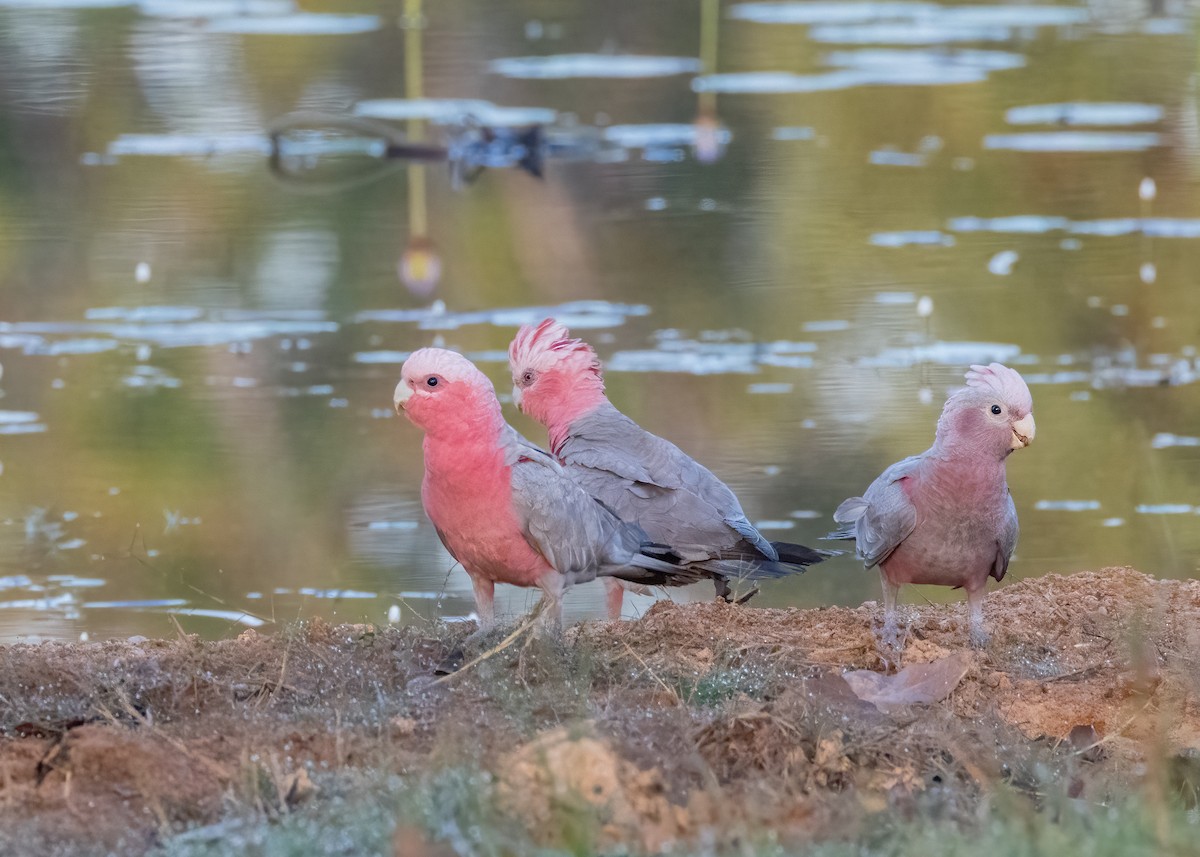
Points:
[786,227]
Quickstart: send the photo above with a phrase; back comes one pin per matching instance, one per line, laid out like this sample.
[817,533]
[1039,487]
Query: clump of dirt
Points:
[706,722]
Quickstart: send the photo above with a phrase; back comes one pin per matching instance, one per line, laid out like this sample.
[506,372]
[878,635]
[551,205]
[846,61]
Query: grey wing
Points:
[650,480]
[576,534]
[884,516]
[1007,542]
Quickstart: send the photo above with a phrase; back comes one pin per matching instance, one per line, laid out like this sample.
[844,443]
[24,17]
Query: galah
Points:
[946,516]
[559,382]
[504,508]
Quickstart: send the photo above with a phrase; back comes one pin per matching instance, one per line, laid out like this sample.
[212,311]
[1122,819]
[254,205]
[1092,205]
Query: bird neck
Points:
[475,422]
[567,398]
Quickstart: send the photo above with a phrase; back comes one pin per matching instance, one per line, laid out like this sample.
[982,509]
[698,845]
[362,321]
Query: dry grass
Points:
[706,724]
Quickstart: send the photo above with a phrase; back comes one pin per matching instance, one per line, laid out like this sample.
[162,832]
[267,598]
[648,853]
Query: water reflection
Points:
[786,227]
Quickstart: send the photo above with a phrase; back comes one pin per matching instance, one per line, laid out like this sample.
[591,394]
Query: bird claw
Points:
[889,644]
[979,637]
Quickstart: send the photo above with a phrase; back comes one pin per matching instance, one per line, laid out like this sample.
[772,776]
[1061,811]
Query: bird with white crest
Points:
[946,516]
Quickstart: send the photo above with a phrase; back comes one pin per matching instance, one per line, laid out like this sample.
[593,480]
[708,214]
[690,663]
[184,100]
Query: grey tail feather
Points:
[846,532]
[658,565]
[800,554]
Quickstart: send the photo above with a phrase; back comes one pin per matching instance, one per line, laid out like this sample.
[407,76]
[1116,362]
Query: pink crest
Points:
[547,345]
[1003,382]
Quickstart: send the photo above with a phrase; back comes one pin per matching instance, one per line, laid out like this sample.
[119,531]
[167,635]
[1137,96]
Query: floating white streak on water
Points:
[575,314]
[1002,263]
[375,357]
[888,158]
[913,14]
[314,390]
[779,388]
[868,68]
[228,615]
[70,581]
[927,237]
[1085,113]
[392,525]
[1164,509]
[150,378]
[1074,141]
[1154,227]
[191,9]
[225,329]
[775,525]
[828,326]
[22,428]
[1038,378]
[454,110]
[50,602]
[713,358]
[142,604]
[419,596]
[826,12]
[144,314]
[793,133]
[807,515]
[659,134]
[945,354]
[298,24]
[64,4]
[1067,505]
[334,594]
[909,33]
[15,581]
[1165,440]
[17,417]
[1113,522]
[895,298]
[562,66]
[189,145]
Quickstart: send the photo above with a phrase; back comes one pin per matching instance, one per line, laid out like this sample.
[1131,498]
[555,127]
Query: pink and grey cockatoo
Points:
[946,516]
[504,508]
[645,479]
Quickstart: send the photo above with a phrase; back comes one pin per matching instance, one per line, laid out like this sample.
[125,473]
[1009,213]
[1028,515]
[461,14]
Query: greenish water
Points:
[199,355]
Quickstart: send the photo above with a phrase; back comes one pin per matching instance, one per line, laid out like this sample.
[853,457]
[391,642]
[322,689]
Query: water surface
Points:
[786,227]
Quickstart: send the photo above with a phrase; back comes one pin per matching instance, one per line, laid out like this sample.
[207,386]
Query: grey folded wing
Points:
[883,517]
[1007,541]
[576,534]
[647,479]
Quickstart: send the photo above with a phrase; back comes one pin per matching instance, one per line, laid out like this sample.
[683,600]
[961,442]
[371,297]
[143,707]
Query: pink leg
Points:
[615,597]
[552,588]
[977,631]
[889,638]
[485,598]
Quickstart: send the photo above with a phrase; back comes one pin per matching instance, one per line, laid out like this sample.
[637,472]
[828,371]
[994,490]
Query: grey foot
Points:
[980,638]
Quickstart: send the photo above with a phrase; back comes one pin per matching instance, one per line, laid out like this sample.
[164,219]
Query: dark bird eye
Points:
[995,408]
[432,382]
[527,377]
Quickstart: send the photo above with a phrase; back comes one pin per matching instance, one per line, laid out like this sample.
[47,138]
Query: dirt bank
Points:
[698,721]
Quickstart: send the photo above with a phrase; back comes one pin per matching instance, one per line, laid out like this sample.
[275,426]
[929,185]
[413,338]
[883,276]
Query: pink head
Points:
[444,393]
[993,414]
[556,379]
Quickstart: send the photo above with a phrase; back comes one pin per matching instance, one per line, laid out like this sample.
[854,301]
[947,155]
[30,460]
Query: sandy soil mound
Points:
[698,720]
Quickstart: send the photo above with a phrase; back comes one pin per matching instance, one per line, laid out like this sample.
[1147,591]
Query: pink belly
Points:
[483,533]
[934,561]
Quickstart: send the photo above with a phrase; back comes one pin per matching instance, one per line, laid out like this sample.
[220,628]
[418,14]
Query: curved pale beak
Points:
[403,394]
[1023,431]
[517,396]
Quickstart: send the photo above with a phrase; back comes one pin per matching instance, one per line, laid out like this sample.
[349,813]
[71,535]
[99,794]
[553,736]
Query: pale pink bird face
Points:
[552,372]
[439,388]
[992,414]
